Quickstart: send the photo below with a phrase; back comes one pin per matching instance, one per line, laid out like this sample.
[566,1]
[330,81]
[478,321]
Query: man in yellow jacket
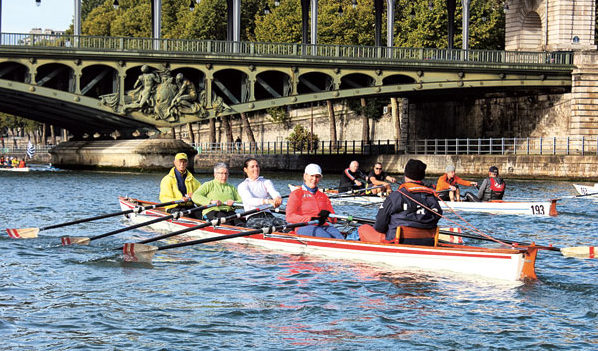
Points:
[179,184]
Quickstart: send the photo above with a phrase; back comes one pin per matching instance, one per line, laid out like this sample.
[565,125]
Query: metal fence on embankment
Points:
[465,146]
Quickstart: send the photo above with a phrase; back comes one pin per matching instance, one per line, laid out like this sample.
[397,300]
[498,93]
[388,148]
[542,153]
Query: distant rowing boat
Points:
[468,261]
[530,208]
[587,190]
[15,169]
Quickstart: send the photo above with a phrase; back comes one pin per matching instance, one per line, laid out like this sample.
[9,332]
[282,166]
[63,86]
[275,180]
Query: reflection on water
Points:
[231,296]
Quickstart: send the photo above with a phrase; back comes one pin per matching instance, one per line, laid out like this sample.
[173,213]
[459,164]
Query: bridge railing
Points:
[464,146]
[349,52]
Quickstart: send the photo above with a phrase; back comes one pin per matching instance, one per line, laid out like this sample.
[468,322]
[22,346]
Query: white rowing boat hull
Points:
[530,208]
[12,169]
[585,189]
[503,264]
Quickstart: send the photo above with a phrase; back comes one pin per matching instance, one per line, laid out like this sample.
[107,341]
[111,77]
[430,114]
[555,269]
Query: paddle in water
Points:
[30,233]
[68,240]
[144,253]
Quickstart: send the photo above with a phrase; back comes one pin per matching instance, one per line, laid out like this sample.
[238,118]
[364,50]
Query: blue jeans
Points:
[325,231]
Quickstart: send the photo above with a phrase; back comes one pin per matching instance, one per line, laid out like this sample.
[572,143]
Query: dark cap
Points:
[493,169]
[415,169]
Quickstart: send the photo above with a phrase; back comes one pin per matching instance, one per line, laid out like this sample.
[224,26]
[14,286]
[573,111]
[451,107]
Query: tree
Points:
[303,140]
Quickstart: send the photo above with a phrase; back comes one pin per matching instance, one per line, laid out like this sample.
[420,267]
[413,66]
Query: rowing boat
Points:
[517,263]
[512,207]
[587,190]
[531,208]
[15,169]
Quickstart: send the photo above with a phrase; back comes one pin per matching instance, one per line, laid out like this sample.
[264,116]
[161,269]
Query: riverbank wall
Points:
[157,154]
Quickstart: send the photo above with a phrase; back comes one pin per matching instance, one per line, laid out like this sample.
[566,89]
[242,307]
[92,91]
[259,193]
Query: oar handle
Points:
[213,222]
[143,224]
[351,218]
[108,215]
[265,230]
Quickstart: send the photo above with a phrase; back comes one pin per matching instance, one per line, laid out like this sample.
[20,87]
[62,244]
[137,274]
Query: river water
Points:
[229,296]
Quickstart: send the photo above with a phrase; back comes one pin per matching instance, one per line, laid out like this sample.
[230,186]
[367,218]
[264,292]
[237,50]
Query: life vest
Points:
[416,188]
[497,188]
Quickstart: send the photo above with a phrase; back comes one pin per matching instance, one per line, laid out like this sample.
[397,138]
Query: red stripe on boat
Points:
[592,253]
[129,252]
[65,240]
[392,249]
[13,233]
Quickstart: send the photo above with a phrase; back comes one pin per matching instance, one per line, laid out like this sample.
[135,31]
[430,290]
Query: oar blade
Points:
[452,239]
[449,238]
[22,233]
[74,240]
[580,251]
[139,252]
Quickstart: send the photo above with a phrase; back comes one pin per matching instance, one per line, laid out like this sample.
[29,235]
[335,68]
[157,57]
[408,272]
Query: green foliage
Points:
[302,140]
[88,5]
[416,25]
[279,115]
[373,109]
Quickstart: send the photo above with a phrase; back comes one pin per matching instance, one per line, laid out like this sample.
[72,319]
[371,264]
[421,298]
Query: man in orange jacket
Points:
[447,185]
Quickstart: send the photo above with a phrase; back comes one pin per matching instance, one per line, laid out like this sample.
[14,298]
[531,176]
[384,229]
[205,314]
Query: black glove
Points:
[322,217]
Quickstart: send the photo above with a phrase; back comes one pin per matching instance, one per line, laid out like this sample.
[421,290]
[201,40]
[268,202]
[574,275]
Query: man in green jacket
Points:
[219,192]
[179,184]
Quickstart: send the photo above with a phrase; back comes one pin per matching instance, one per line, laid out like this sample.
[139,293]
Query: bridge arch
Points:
[531,34]
[56,76]
[236,89]
[356,80]
[98,80]
[272,83]
[14,71]
[312,82]
[398,79]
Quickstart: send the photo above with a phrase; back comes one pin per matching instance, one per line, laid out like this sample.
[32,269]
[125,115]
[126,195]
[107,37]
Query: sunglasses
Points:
[377,168]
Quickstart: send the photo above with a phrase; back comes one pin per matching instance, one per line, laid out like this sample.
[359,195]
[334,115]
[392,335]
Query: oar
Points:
[575,251]
[68,240]
[29,233]
[214,222]
[575,196]
[135,252]
[353,192]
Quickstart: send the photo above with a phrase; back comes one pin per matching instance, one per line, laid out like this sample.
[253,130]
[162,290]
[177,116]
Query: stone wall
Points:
[550,25]
[143,154]
[348,126]
[584,90]
[494,115]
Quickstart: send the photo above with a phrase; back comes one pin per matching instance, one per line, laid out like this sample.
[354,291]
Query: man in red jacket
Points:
[307,203]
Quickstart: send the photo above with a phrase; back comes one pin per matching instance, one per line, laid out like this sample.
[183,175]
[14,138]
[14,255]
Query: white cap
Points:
[313,169]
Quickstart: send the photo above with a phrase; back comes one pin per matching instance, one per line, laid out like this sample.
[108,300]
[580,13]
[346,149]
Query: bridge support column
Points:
[121,89]
[209,79]
[77,77]
[584,95]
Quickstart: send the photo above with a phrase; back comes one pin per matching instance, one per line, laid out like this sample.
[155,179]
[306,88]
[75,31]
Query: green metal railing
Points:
[465,146]
[339,52]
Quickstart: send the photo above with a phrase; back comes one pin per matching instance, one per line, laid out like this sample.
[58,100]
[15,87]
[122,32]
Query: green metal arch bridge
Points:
[104,83]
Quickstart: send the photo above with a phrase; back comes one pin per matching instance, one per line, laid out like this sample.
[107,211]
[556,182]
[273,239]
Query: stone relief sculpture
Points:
[163,97]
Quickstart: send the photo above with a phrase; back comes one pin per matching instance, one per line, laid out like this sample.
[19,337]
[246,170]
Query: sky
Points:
[19,16]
